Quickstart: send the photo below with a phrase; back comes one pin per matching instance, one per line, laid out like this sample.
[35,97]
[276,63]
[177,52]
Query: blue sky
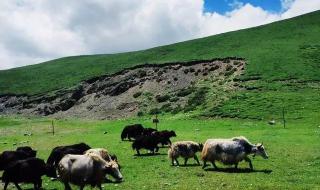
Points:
[223,6]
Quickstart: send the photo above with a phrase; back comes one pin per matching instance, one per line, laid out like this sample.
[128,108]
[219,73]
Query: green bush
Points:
[137,94]
[166,108]
[154,111]
[163,98]
[140,113]
[185,92]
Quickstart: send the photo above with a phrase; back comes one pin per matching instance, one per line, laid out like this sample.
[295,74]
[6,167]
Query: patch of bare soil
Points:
[127,92]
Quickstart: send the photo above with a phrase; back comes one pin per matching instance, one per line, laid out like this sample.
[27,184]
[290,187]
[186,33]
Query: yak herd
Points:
[82,165]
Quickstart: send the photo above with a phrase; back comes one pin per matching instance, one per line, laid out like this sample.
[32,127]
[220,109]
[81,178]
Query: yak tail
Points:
[171,152]
[204,152]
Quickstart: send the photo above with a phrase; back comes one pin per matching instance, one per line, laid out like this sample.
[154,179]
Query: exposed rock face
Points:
[124,93]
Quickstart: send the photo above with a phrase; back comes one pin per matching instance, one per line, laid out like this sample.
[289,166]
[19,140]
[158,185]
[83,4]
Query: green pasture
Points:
[294,153]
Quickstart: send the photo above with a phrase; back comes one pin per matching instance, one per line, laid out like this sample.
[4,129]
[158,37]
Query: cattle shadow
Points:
[106,180]
[149,154]
[238,170]
[188,165]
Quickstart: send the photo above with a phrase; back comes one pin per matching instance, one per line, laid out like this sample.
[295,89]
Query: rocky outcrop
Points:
[126,92]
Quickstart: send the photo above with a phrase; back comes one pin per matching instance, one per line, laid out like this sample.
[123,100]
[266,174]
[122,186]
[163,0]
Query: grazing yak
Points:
[104,154]
[185,149]
[146,142]
[164,136]
[28,170]
[148,131]
[60,151]
[21,153]
[132,131]
[86,169]
[27,150]
[230,151]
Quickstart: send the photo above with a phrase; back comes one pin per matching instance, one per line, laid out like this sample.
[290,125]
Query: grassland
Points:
[294,161]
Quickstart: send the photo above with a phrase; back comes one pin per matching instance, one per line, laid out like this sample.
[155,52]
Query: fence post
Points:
[52,126]
[283,118]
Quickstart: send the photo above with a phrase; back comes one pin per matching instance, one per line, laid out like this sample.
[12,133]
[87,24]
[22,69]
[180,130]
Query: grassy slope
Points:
[294,161]
[281,50]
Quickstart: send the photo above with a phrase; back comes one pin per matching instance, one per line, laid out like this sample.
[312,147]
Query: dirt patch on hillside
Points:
[127,92]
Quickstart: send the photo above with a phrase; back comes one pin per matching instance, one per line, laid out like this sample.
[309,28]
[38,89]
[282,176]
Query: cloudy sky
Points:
[33,31]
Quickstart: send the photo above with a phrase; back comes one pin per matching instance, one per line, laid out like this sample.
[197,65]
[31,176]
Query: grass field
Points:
[294,153]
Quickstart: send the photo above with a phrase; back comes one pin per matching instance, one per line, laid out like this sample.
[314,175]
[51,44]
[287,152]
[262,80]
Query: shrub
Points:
[163,98]
[154,111]
[166,108]
[140,113]
[185,92]
[137,94]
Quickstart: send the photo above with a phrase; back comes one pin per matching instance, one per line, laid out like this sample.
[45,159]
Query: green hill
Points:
[283,67]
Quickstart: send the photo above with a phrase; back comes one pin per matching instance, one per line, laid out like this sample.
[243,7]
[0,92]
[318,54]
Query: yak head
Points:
[260,150]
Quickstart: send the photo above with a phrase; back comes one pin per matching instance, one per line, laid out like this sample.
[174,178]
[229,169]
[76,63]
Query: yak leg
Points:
[214,165]
[172,161]
[17,186]
[177,161]
[185,161]
[39,183]
[138,152]
[236,166]
[249,161]
[6,185]
[196,158]
[99,186]
[67,186]
[204,164]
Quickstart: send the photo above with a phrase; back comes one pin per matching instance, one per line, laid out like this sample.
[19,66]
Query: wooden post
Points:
[283,118]
[156,121]
[52,126]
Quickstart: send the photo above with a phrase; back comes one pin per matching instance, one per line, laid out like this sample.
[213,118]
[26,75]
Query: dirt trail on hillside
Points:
[127,92]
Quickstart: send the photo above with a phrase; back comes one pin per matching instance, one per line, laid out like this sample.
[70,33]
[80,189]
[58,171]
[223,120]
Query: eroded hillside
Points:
[144,89]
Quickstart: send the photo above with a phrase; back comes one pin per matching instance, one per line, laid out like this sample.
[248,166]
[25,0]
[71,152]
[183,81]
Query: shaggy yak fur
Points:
[60,151]
[164,136]
[185,149]
[21,153]
[230,151]
[132,131]
[29,170]
[86,169]
[146,142]
[148,131]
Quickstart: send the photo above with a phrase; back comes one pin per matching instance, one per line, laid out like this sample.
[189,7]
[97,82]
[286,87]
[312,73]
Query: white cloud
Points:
[33,31]
[286,4]
[299,7]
